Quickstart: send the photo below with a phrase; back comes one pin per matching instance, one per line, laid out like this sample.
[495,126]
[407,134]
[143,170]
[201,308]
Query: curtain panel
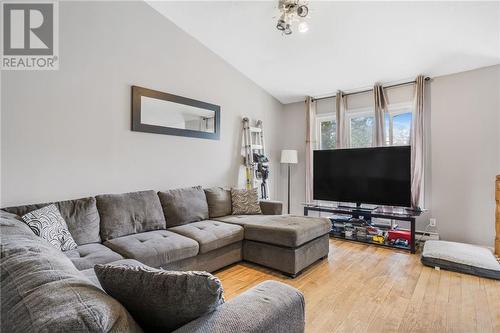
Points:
[310,146]
[341,108]
[380,103]
[417,142]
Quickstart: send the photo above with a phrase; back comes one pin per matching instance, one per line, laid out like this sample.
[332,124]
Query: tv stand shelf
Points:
[355,212]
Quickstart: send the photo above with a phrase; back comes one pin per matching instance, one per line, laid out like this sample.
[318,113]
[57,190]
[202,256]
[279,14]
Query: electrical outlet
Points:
[432,222]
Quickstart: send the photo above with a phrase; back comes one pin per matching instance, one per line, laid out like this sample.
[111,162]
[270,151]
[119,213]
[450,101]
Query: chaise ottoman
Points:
[284,242]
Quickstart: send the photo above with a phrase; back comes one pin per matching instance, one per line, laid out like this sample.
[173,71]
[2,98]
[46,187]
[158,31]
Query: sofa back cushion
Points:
[129,213]
[42,291]
[80,215]
[12,225]
[184,205]
[219,201]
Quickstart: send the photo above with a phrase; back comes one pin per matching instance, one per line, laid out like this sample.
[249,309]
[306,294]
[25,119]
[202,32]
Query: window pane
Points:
[401,127]
[387,129]
[361,132]
[328,135]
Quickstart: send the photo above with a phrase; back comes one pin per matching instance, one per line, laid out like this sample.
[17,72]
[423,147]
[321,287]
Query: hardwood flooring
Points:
[362,288]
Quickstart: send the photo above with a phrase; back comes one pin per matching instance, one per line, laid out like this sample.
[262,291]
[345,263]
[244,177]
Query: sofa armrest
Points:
[269,207]
[270,306]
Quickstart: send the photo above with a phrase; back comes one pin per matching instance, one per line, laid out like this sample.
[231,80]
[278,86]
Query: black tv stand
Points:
[358,207]
[367,214]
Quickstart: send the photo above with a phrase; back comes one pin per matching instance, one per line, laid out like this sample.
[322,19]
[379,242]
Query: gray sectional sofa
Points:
[175,230]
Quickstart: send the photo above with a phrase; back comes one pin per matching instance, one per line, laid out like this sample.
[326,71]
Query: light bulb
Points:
[303,27]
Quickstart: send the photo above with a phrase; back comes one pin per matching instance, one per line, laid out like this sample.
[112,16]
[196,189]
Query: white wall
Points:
[66,133]
[293,137]
[463,149]
[465,153]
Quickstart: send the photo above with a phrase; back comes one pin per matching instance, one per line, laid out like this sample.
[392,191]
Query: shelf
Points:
[367,241]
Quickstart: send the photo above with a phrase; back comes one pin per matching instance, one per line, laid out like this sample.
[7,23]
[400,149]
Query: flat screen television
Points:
[379,176]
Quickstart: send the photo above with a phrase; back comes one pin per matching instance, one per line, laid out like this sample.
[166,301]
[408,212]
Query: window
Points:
[361,131]
[398,126]
[327,129]
[360,127]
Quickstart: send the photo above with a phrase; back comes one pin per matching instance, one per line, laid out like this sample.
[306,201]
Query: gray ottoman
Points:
[284,242]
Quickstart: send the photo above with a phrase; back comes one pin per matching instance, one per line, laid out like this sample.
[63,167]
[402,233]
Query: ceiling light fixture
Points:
[292,11]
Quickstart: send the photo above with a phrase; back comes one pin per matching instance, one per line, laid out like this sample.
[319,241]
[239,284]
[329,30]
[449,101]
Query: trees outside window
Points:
[361,126]
[328,136]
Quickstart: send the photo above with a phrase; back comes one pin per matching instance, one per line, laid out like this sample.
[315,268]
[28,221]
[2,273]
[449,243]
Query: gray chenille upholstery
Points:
[284,230]
[89,273]
[129,213]
[88,255]
[270,306]
[210,235]
[81,216]
[154,248]
[43,289]
[184,205]
[286,259]
[269,207]
[219,201]
[161,300]
[210,261]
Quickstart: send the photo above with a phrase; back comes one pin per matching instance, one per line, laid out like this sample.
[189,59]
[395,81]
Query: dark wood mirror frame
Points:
[138,92]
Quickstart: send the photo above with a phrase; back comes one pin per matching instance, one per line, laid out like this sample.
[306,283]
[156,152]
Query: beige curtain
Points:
[380,111]
[417,142]
[341,107]
[310,145]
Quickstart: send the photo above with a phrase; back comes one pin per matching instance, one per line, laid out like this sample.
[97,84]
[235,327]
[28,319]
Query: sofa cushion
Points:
[270,306]
[245,202]
[219,201]
[48,224]
[210,235]
[80,215]
[42,291]
[88,255]
[129,213]
[154,248]
[285,230]
[184,205]
[160,300]
[11,225]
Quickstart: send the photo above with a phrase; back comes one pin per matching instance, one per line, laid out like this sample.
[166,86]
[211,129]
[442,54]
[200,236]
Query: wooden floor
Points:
[363,288]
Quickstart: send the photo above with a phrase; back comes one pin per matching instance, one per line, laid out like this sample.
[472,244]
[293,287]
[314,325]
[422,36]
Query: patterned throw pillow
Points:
[245,202]
[48,223]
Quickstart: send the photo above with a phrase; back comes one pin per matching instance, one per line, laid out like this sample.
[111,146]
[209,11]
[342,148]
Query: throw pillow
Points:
[161,300]
[245,202]
[48,223]
[219,201]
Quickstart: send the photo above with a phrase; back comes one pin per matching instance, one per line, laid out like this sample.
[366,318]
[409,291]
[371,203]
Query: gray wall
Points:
[66,133]
[463,150]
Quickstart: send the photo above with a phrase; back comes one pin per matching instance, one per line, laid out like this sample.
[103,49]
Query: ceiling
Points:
[349,45]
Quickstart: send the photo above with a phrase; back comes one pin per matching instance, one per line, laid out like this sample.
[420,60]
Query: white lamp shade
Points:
[289,156]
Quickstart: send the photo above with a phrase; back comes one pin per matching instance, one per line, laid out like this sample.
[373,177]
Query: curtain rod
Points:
[368,90]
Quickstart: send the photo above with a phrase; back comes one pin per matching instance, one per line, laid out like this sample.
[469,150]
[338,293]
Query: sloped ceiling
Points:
[349,44]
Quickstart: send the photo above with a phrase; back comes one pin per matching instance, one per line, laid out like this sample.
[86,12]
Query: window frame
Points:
[392,110]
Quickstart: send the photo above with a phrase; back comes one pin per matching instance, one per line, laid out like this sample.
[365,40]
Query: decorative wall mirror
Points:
[158,112]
